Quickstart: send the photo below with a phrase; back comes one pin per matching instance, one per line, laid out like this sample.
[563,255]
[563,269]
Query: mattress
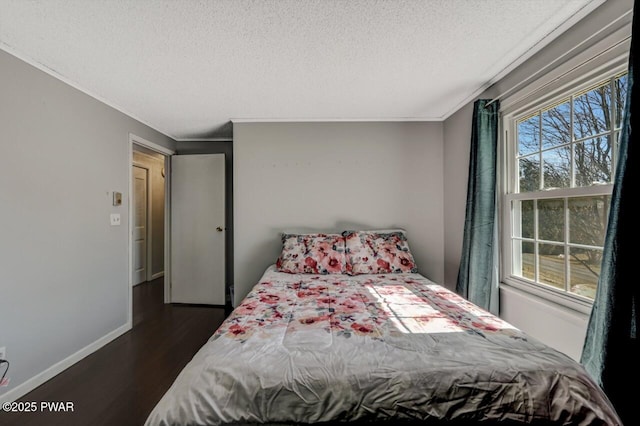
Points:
[305,348]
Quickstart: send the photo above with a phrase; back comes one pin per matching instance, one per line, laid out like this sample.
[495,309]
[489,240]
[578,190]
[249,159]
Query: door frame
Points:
[167,153]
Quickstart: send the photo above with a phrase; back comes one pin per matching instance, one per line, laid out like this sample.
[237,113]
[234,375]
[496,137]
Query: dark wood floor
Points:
[120,384]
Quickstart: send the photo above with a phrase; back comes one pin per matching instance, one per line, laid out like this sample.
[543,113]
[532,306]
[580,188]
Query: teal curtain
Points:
[478,274]
[611,353]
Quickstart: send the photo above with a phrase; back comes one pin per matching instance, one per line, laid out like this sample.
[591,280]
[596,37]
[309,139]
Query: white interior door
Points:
[140,177]
[198,229]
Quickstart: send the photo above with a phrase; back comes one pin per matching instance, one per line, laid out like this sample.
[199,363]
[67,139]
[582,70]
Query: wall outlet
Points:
[3,352]
[115,219]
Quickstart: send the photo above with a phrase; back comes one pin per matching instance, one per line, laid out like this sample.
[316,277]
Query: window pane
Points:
[556,124]
[551,220]
[588,219]
[529,135]
[584,271]
[593,161]
[529,173]
[524,255]
[557,167]
[551,261]
[523,219]
[621,97]
[592,112]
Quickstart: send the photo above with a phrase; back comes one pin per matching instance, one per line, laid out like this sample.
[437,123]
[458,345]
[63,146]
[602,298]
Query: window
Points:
[560,159]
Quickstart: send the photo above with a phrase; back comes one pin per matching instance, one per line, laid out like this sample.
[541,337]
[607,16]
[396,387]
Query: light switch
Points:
[117,198]
[115,219]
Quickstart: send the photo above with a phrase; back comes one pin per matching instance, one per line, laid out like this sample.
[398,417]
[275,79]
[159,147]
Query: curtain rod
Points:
[520,84]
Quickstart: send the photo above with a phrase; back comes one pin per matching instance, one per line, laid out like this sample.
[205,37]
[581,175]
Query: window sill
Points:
[558,298]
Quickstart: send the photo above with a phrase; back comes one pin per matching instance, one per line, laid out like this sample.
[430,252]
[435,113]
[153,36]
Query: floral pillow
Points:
[378,253]
[312,254]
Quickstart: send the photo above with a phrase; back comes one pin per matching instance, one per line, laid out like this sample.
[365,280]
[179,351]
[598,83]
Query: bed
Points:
[333,347]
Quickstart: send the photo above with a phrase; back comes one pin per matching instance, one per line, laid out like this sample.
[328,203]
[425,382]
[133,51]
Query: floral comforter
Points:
[334,348]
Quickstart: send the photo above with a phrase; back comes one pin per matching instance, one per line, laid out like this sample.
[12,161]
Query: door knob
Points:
[219,229]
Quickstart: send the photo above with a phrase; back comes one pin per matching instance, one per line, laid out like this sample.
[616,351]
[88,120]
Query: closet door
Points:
[198,229]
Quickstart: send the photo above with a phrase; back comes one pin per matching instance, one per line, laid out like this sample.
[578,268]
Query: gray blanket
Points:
[375,348]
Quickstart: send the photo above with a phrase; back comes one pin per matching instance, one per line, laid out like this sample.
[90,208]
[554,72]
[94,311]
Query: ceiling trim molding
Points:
[546,40]
[336,120]
[204,140]
[53,73]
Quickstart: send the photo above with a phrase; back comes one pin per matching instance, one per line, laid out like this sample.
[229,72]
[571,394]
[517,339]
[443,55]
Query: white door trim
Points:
[134,139]
[167,228]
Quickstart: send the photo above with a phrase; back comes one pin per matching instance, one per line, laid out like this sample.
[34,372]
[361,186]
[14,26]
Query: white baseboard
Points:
[157,275]
[26,387]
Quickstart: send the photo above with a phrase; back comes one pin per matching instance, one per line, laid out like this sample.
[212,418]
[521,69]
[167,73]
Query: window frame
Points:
[566,88]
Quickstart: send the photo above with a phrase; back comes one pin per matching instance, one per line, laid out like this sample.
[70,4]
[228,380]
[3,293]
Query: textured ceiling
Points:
[187,68]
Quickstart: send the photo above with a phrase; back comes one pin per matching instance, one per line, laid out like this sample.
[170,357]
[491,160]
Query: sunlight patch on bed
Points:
[410,313]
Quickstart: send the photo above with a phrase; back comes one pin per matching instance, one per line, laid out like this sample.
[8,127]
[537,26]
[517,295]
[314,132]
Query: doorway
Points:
[148,214]
[148,248]
[219,230]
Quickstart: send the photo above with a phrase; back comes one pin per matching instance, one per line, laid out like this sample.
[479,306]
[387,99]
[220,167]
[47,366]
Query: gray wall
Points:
[64,279]
[553,325]
[226,148]
[331,177]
